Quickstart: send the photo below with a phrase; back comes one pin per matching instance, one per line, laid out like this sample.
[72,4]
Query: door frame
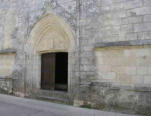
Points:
[69,69]
[53,59]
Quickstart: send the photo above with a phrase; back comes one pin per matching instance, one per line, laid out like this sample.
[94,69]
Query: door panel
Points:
[48,71]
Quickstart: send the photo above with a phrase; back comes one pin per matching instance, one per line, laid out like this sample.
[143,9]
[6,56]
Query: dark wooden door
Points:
[48,71]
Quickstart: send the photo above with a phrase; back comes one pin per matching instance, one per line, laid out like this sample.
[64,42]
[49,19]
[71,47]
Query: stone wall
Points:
[18,18]
[6,85]
[110,21]
[105,21]
[7,62]
[91,22]
[125,66]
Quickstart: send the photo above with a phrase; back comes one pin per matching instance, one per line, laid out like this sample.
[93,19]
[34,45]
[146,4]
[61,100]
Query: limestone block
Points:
[143,52]
[130,70]
[128,61]
[118,69]
[147,18]
[139,80]
[127,28]
[127,53]
[106,2]
[129,4]
[109,76]
[104,68]
[124,79]
[147,2]
[6,64]
[142,70]
[68,5]
[143,61]
[139,11]
[117,6]
[133,19]
[147,79]
[142,27]
[131,36]
[78,103]
[147,35]
[149,70]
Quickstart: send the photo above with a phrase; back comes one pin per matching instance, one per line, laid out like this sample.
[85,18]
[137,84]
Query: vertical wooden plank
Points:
[48,71]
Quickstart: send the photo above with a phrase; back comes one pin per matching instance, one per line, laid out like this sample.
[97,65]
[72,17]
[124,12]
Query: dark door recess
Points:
[54,71]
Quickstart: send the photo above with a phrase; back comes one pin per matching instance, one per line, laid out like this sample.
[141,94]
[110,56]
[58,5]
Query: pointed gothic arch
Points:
[50,34]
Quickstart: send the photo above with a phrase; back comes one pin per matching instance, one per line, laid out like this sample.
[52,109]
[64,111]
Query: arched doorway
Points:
[49,50]
[54,71]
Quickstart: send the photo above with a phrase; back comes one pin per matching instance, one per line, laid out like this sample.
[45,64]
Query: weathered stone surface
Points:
[6,85]
[7,51]
[123,43]
[124,65]
[7,62]
[30,28]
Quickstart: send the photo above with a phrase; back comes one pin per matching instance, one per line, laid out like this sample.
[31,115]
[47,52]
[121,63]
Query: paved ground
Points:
[14,106]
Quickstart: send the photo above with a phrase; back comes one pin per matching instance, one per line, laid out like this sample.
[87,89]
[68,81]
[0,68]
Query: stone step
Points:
[54,99]
[54,96]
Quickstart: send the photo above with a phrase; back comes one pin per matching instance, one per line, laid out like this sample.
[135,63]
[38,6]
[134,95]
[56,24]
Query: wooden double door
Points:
[54,71]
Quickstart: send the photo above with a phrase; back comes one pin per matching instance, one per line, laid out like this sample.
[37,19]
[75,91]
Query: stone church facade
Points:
[89,53]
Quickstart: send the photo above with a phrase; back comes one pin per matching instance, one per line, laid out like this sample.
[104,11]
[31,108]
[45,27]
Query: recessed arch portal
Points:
[50,35]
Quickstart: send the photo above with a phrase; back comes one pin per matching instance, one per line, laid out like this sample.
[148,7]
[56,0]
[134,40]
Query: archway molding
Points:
[50,34]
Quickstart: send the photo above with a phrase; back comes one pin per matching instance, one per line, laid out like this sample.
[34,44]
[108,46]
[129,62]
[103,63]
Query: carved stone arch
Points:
[50,34]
